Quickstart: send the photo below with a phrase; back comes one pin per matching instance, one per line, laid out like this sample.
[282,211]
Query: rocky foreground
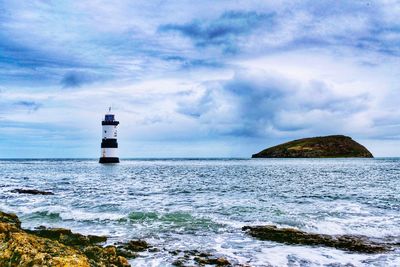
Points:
[333,146]
[61,247]
[52,247]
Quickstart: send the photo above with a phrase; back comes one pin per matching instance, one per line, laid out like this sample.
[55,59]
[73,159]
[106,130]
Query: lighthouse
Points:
[109,145]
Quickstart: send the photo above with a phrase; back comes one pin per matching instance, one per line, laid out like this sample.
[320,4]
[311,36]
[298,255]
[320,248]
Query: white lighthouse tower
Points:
[109,145]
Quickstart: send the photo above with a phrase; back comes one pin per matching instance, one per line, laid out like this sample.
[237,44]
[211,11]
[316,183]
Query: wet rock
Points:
[10,218]
[175,252]
[108,256]
[212,261]
[67,237]
[52,247]
[197,258]
[293,236]
[31,191]
[136,245]
[152,249]
[126,253]
[129,249]
[96,239]
[179,263]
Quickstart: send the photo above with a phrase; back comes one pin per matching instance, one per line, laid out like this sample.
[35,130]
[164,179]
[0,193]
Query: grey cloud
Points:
[260,105]
[74,79]
[223,30]
[28,104]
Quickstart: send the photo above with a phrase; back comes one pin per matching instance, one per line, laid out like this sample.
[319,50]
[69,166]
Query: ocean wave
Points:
[60,213]
[174,220]
[42,215]
[80,215]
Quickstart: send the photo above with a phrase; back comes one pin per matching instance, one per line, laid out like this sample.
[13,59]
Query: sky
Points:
[196,78]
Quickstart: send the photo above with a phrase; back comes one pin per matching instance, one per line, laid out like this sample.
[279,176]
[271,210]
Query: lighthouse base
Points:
[109,160]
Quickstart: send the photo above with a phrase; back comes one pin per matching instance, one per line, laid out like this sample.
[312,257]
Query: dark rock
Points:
[67,237]
[293,236]
[221,262]
[126,253]
[175,252]
[333,146]
[109,255]
[129,249]
[10,218]
[31,191]
[96,239]
[201,258]
[179,263]
[153,249]
[136,245]
[212,261]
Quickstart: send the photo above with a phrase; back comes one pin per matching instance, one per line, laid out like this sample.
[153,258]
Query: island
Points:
[332,146]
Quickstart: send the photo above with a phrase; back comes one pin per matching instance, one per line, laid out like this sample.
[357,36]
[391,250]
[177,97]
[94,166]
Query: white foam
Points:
[81,215]
[372,226]
[279,256]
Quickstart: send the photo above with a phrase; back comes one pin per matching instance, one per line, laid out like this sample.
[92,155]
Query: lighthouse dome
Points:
[109,117]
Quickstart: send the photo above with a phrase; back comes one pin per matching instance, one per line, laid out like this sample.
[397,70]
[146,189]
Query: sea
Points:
[202,204]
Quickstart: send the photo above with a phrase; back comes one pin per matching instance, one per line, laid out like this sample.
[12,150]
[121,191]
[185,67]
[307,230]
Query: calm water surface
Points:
[202,204]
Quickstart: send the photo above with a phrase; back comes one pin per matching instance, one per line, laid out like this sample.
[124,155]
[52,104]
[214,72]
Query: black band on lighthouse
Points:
[109,143]
[109,160]
[109,122]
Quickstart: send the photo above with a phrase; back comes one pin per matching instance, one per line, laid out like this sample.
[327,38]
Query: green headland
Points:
[333,146]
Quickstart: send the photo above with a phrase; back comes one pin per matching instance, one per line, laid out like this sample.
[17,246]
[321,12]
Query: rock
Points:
[221,262]
[333,146]
[152,249]
[66,236]
[212,261]
[126,253]
[293,236]
[129,249]
[52,247]
[179,263]
[10,218]
[108,256]
[31,191]
[136,245]
[201,258]
[19,248]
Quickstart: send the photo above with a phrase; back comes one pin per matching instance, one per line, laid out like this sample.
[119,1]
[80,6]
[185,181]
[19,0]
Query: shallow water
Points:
[202,204]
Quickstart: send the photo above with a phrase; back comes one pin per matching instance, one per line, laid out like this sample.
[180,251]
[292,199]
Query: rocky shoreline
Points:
[61,247]
[52,247]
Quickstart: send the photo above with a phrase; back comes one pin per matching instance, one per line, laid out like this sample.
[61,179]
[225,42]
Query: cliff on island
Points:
[333,146]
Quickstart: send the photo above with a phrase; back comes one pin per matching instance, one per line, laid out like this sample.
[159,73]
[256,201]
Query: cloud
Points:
[106,40]
[30,105]
[186,62]
[266,104]
[222,31]
[12,104]
[73,79]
